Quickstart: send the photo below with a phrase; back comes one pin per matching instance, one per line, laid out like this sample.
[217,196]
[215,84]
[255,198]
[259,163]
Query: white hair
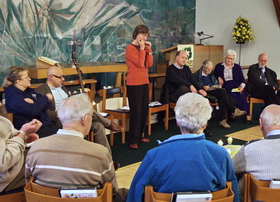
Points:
[192,112]
[74,108]
[231,52]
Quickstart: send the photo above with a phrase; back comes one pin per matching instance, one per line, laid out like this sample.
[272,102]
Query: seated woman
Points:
[25,103]
[230,77]
[205,79]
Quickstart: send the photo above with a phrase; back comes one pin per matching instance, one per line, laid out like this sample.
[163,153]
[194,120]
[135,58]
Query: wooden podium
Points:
[200,53]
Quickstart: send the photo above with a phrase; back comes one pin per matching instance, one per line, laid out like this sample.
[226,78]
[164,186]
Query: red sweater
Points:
[137,63]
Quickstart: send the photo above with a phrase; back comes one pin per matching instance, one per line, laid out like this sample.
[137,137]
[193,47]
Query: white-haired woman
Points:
[230,76]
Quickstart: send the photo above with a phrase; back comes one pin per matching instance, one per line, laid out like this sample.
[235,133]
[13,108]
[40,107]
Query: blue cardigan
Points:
[184,163]
[24,112]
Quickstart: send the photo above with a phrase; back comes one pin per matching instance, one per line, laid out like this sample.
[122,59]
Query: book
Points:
[275,183]
[235,90]
[73,192]
[44,63]
[191,196]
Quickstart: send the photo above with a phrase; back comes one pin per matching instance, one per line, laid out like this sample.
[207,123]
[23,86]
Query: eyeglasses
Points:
[59,77]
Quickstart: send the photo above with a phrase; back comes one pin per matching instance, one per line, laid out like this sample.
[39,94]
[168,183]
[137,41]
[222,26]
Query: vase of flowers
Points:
[242,31]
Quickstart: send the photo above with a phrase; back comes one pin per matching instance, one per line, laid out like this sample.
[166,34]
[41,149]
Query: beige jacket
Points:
[11,153]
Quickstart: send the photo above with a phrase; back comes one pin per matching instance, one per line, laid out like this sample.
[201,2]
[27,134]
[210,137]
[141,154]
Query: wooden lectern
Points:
[201,53]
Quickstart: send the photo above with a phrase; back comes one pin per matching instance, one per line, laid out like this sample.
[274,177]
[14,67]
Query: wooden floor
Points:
[125,174]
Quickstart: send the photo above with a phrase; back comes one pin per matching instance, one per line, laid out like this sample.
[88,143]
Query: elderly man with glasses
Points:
[54,85]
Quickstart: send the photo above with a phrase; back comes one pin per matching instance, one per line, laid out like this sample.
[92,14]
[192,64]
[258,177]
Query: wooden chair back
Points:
[224,195]
[38,193]
[259,190]
[13,197]
[115,92]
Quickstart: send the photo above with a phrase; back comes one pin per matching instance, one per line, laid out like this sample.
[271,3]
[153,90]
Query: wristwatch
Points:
[24,134]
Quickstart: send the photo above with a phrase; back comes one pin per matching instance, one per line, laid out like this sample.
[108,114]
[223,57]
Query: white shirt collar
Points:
[178,67]
[70,132]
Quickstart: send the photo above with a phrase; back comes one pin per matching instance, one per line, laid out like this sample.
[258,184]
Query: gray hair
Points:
[207,63]
[192,112]
[231,52]
[271,115]
[74,108]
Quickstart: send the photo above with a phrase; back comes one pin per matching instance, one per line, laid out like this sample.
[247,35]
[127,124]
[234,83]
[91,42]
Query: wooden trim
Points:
[277,9]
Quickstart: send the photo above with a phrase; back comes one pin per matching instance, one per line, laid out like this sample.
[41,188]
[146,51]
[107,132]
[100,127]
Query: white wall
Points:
[217,17]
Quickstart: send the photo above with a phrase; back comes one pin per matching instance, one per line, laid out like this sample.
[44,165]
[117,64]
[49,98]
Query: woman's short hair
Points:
[74,108]
[192,112]
[14,75]
[231,52]
[140,29]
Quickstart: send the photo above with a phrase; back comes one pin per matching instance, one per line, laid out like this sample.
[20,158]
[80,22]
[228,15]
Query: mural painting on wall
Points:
[33,28]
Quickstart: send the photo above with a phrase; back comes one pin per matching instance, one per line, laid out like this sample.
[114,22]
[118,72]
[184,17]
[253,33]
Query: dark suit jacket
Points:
[254,74]
[44,89]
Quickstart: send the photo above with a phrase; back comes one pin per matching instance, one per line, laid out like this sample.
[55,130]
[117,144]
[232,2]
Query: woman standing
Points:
[138,57]
[25,103]
[230,76]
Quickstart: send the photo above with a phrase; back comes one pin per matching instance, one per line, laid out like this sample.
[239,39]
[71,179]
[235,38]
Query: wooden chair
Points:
[253,101]
[259,190]
[38,193]
[155,109]
[224,195]
[118,113]
[13,197]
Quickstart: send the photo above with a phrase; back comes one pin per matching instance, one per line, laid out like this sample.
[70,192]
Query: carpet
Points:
[126,156]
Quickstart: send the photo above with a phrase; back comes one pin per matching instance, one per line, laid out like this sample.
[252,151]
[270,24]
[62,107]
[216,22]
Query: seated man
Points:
[262,82]
[186,162]
[12,153]
[66,159]
[261,157]
[206,79]
[54,85]
[179,80]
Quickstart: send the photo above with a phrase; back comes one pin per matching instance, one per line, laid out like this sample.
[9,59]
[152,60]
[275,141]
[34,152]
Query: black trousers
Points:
[180,91]
[225,101]
[265,92]
[138,98]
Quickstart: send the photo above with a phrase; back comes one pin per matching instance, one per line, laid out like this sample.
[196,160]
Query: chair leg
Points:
[149,121]
[166,117]
[111,133]
[250,109]
[123,125]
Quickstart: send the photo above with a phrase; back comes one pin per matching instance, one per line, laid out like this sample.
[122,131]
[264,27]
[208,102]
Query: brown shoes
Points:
[115,127]
[144,140]
[133,146]
[237,113]
[224,124]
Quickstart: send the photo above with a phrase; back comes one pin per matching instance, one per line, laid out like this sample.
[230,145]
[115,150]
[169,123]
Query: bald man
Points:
[54,85]
[261,157]
[262,81]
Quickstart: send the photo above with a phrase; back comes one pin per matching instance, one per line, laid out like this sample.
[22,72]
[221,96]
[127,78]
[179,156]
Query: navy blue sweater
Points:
[23,111]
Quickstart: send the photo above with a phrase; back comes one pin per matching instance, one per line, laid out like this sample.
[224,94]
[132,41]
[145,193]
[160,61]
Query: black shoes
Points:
[212,99]
[207,133]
